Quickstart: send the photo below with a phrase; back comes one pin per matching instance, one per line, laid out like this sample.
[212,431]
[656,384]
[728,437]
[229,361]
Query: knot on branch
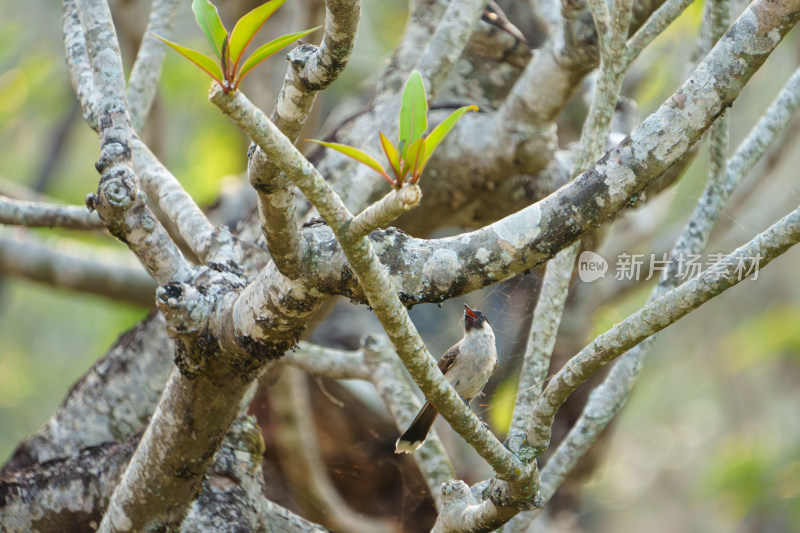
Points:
[113,152]
[184,307]
[117,189]
[314,72]
[299,56]
[456,490]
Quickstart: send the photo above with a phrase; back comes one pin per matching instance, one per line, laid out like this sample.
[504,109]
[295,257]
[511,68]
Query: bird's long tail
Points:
[417,431]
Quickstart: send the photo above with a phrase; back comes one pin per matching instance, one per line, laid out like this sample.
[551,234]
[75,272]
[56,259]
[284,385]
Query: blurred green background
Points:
[709,441]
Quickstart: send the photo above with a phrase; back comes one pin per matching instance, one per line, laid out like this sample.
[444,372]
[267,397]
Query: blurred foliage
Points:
[501,406]
[763,339]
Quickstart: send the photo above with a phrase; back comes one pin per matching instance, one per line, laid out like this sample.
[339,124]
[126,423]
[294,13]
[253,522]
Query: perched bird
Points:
[467,366]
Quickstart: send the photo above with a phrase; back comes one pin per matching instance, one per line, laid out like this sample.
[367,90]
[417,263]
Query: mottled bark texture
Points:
[71,494]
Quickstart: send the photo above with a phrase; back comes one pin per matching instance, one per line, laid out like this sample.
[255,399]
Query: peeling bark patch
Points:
[618,178]
[520,229]
[441,268]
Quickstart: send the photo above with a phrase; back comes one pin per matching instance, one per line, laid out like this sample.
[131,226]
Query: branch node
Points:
[90,202]
[112,152]
[299,56]
[456,490]
[118,188]
[184,307]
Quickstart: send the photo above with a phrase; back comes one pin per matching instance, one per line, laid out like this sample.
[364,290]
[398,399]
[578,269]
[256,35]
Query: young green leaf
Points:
[415,158]
[440,132]
[413,111]
[391,155]
[247,27]
[208,19]
[208,65]
[265,51]
[358,155]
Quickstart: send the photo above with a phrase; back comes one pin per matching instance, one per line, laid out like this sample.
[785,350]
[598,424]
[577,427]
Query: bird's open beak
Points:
[469,315]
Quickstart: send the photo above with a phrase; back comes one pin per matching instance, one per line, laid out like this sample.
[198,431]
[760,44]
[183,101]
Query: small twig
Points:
[386,210]
[38,214]
[146,69]
[213,245]
[655,25]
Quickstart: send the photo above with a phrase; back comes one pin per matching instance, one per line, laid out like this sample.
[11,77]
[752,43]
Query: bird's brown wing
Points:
[448,359]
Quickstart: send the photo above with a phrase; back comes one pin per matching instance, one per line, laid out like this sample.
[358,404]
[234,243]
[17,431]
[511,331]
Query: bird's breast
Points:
[475,364]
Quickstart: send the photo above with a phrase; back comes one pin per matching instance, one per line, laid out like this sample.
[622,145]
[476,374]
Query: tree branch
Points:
[311,69]
[146,70]
[554,73]
[297,443]
[78,65]
[328,362]
[448,41]
[657,315]
[118,201]
[213,245]
[70,269]
[71,494]
[606,401]
[654,26]
[33,214]
[385,211]
[377,287]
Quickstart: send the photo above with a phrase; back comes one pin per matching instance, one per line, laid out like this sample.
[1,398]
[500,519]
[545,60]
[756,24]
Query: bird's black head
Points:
[473,318]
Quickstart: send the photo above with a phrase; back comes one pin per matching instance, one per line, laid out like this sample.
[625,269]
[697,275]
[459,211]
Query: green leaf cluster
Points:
[230,66]
[413,150]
